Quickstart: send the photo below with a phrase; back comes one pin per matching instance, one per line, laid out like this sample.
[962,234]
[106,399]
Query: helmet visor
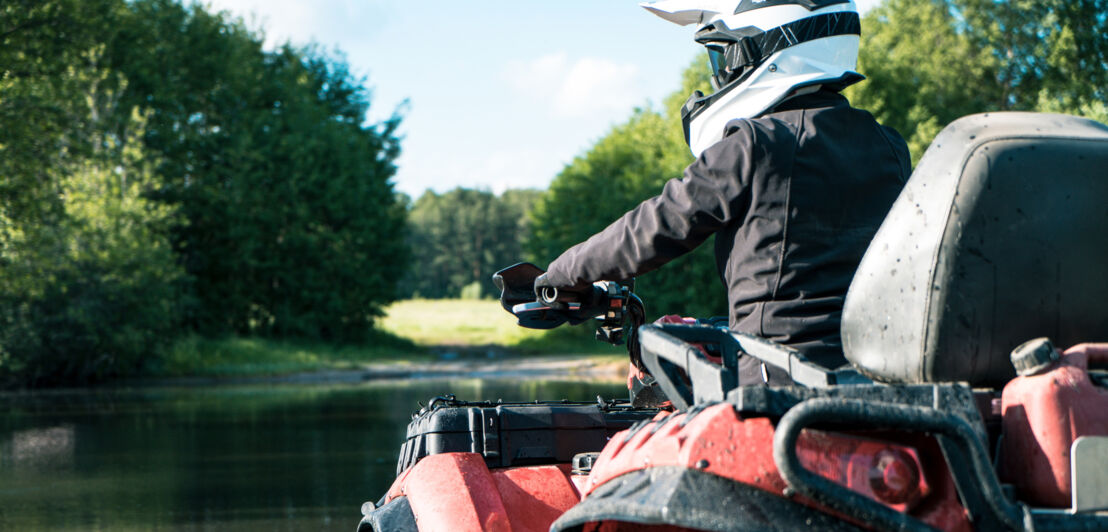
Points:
[717,60]
[717,63]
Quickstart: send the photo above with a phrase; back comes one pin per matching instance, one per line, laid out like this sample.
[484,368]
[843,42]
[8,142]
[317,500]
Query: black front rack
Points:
[687,376]
[511,434]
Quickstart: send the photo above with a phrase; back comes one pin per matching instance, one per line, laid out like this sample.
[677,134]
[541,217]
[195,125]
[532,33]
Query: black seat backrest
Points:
[1000,236]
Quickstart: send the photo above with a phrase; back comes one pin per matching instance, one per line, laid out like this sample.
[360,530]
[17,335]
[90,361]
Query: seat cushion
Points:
[1000,236]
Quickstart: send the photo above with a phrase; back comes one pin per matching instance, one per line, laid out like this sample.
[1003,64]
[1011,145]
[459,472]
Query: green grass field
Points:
[237,356]
[455,322]
[412,330]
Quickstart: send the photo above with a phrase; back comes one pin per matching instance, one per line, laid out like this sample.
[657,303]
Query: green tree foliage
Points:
[932,61]
[290,226]
[89,285]
[626,166]
[159,170]
[1051,47]
[460,237]
[46,73]
[96,295]
[922,71]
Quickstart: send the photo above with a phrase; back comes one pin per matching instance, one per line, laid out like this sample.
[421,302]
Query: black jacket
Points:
[794,198]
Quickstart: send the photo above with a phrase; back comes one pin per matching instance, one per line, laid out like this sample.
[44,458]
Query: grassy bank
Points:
[456,322]
[237,356]
[411,331]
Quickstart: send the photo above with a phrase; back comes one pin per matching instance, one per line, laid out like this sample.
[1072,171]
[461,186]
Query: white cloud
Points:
[866,5]
[578,88]
[516,169]
[497,170]
[302,22]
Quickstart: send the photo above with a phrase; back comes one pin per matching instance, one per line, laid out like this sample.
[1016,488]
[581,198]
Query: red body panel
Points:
[1043,415]
[535,496]
[720,442]
[457,492]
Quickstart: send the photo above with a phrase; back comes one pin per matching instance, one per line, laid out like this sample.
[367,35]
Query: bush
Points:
[94,293]
[291,227]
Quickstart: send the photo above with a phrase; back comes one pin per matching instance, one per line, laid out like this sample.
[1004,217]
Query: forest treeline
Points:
[162,174]
[459,238]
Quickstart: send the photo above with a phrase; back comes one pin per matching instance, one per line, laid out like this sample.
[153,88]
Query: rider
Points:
[791,179]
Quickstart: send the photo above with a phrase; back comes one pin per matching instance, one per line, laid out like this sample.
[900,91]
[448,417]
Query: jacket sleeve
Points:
[713,192]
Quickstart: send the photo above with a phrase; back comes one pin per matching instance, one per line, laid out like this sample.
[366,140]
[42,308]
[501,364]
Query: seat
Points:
[999,236]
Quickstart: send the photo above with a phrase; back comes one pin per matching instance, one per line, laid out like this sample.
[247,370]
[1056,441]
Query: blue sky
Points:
[500,93]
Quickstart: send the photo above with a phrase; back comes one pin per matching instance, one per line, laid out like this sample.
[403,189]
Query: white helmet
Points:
[762,52]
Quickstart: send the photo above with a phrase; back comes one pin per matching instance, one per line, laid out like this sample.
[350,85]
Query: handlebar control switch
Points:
[613,320]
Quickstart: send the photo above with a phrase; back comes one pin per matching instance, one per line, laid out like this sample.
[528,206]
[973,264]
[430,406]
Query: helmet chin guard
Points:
[763,52]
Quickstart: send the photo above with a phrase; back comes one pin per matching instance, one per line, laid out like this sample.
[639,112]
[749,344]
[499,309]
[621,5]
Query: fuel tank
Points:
[1052,403]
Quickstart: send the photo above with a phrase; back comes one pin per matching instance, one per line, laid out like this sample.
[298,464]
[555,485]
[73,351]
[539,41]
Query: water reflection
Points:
[40,448]
[242,458]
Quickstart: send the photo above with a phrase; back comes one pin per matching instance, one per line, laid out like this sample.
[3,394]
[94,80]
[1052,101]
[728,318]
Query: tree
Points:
[930,62]
[46,72]
[89,288]
[159,169]
[290,226]
[1051,47]
[922,71]
[460,238]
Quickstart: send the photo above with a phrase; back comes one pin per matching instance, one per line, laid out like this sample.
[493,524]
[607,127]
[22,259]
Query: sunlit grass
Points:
[412,330]
[260,356]
[455,322]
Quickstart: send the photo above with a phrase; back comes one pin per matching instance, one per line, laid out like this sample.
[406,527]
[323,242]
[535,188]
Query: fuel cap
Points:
[1034,356]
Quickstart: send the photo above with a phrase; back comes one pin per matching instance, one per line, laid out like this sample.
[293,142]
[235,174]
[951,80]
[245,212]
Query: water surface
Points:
[260,457]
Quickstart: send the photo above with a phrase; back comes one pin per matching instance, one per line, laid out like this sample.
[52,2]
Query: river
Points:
[259,457]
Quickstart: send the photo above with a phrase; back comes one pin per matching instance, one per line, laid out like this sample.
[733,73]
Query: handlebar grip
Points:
[588,298]
[548,295]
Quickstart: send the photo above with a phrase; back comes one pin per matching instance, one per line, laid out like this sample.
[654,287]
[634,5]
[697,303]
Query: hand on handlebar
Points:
[587,298]
[522,289]
[544,291]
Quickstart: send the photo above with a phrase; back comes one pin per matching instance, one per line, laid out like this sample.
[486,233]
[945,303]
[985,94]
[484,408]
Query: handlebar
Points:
[612,303]
[548,295]
[672,359]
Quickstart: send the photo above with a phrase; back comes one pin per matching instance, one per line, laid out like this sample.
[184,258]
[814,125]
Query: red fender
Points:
[719,441]
[457,492]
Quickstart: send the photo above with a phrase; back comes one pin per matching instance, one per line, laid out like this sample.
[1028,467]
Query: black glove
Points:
[544,291]
[559,297]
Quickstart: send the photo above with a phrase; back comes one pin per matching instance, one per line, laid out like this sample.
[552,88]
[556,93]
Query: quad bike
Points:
[955,413]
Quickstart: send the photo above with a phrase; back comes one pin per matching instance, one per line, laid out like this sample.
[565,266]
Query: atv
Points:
[955,413]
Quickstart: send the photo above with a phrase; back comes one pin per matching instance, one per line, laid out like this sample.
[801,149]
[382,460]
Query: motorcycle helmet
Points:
[761,53]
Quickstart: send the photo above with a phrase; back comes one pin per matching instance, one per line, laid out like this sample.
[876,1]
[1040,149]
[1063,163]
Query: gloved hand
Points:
[559,296]
[545,292]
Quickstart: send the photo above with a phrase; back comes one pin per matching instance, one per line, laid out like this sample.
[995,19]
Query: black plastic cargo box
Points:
[516,434]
